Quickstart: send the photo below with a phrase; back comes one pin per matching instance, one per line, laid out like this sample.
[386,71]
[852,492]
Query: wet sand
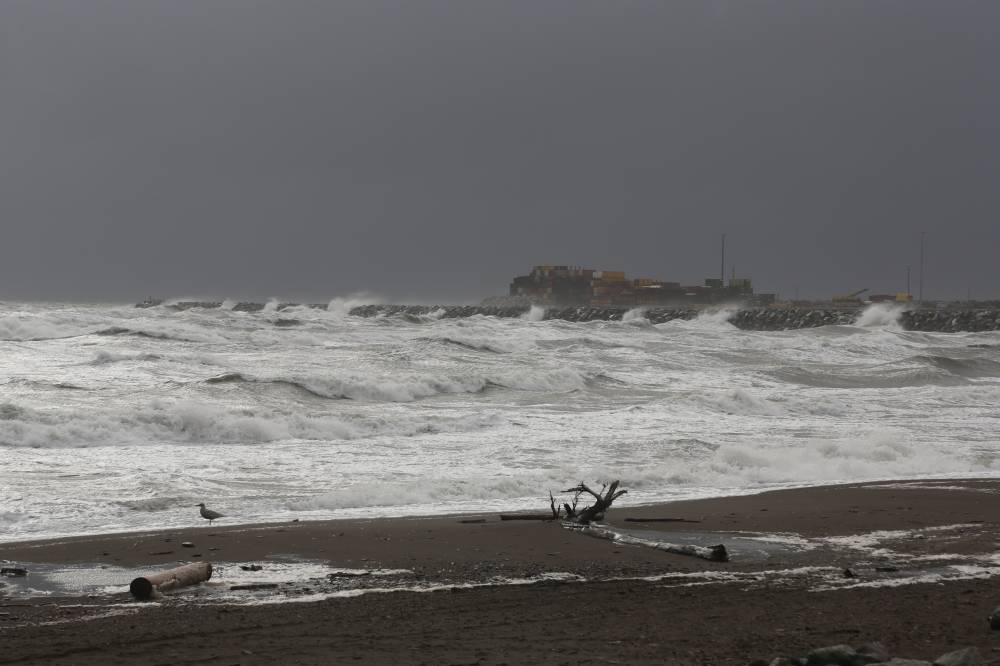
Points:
[922,561]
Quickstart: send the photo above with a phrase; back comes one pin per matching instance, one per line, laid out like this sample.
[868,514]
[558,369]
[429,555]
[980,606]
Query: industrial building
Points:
[573,285]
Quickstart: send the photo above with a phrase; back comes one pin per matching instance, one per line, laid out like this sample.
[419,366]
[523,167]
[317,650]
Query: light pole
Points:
[908,295]
[722,268]
[922,235]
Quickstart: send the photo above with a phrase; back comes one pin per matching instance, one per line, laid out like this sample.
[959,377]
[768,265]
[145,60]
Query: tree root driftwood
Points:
[584,518]
[588,514]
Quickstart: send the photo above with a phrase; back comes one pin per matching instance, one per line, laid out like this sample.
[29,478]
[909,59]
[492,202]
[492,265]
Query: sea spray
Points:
[635,316]
[534,313]
[342,305]
[881,315]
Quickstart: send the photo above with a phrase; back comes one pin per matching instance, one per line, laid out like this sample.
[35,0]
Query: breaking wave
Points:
[24,329]
[105,357]
[881,315]
[186,422]
[154,335]
[471,343]
[411,387]
[919,370]
[878,455]
[534,313]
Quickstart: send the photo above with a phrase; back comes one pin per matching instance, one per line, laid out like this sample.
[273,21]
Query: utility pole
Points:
[722,270]
[908,295]
[922,234]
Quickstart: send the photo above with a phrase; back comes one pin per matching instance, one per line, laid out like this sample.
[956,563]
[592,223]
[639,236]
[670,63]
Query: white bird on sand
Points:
[208,514]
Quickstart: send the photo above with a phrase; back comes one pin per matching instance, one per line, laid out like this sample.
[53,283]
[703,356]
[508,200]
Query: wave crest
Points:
[186,422]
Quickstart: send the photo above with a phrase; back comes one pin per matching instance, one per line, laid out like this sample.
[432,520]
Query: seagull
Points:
[208,514]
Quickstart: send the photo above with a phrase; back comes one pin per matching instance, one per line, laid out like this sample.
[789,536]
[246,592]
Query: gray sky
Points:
[430,150]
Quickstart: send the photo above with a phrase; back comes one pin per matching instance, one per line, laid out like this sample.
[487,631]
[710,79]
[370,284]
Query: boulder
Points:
[995,618]
[834,655]
[873,653]
[964,657]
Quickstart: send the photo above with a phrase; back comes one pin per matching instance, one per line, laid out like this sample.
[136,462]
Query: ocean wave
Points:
[636,317]
[962,367]
[717,319]
[589,341]
[43,384]
[875,455]
[106,357]
[412,318]
[881,315]
[870,377]
[917,370]
[14,328]
[429,491]
[534,313]
[737,401]
[411,387]
[471,343]
[240,378]
[186,422]
[744,466]
[155,335]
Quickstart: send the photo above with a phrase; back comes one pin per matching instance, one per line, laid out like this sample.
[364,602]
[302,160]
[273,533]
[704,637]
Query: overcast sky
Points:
[430,150]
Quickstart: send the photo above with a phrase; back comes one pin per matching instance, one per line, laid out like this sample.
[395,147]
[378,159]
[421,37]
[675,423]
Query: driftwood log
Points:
[145,587]
[592,512]
[711,553]
[526,516]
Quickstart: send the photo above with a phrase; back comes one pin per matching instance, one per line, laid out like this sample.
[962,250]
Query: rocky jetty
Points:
[875,654]
[771,319]
[951,320]
[438,311]
[243,306]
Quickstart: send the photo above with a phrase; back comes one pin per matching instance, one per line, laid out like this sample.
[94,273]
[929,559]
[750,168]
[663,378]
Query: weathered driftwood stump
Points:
[587,515]
[144,587]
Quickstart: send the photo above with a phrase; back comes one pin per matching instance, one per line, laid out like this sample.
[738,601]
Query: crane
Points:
[849,298]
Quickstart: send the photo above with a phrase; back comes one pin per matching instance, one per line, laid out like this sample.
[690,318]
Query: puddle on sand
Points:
[741,547]
[269,578]
[79,580]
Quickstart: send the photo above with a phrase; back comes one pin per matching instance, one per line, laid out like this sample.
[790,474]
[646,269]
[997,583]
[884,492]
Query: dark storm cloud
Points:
[430,149]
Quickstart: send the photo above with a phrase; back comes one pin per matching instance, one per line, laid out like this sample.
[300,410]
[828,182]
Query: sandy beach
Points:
[911,564]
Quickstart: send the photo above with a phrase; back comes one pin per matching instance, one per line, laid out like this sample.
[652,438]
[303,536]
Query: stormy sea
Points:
[114,418]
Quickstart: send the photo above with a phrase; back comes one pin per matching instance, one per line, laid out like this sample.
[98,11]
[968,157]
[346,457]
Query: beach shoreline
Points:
[921,556]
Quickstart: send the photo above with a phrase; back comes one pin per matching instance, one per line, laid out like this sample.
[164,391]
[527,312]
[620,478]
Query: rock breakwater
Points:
[950,320]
